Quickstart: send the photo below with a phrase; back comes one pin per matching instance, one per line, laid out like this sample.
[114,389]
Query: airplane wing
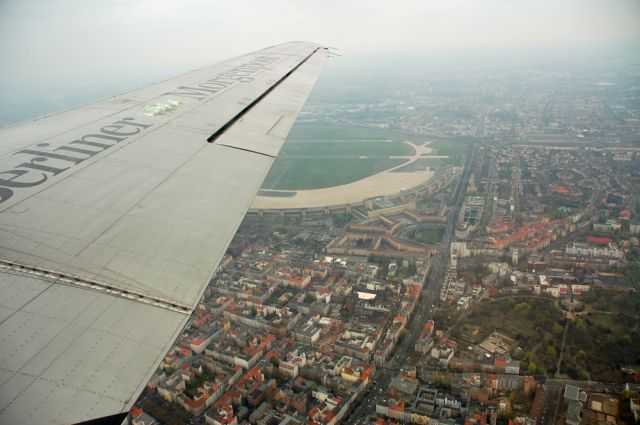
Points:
[114,217]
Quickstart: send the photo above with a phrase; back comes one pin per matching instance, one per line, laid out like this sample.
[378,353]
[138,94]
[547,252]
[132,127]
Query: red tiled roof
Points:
[599,240]
[559,189]
[136,412]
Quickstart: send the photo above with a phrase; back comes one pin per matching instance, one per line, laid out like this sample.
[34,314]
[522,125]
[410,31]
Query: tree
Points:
[442,383]
[624,410]
[581,356]
[503,418]
[524,306]
[551,352]
[583,374]
[557,330]
[403,334]
[533,367]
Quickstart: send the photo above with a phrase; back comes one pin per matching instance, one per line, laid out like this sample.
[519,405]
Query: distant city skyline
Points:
[59,54]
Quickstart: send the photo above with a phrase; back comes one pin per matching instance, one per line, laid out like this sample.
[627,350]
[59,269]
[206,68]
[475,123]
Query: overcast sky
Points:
[56,53]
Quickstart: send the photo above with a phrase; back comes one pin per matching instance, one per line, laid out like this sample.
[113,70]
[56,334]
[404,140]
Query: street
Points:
[366,404]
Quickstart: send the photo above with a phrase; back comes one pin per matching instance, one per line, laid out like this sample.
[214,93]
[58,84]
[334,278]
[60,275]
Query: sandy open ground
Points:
[384,183]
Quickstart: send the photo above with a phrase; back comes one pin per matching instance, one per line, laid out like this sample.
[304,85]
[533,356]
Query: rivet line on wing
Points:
[90,284]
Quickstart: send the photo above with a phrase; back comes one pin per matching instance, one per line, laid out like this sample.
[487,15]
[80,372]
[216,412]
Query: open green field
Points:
[455,151]
[335,132]
[429,236]
[345,149]
[318,156]
[317,173]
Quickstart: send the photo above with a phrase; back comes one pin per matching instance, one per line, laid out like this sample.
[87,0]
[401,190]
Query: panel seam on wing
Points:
[258,99]
[246,150]
[94,285]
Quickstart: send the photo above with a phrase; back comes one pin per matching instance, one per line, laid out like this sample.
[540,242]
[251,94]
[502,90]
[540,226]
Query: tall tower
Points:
[514,258]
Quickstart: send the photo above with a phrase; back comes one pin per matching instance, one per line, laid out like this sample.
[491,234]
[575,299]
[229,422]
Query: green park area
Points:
[535,323]
[604,337]
[600,341]
[319,156]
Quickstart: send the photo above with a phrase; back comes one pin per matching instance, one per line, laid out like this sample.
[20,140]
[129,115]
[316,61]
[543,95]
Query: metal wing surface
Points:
[114,217]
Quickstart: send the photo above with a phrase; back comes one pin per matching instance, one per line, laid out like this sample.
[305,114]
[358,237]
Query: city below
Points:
[432,246]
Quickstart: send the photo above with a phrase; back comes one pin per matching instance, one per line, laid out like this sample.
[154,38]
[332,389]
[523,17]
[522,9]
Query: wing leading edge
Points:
[114,217]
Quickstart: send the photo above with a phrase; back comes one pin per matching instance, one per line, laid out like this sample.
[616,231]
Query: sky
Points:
[55,54]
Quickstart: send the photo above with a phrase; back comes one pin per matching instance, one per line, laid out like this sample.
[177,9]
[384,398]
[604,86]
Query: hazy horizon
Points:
[61,54]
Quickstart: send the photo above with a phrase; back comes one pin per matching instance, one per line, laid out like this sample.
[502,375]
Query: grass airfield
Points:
[316,156]
[322,165]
